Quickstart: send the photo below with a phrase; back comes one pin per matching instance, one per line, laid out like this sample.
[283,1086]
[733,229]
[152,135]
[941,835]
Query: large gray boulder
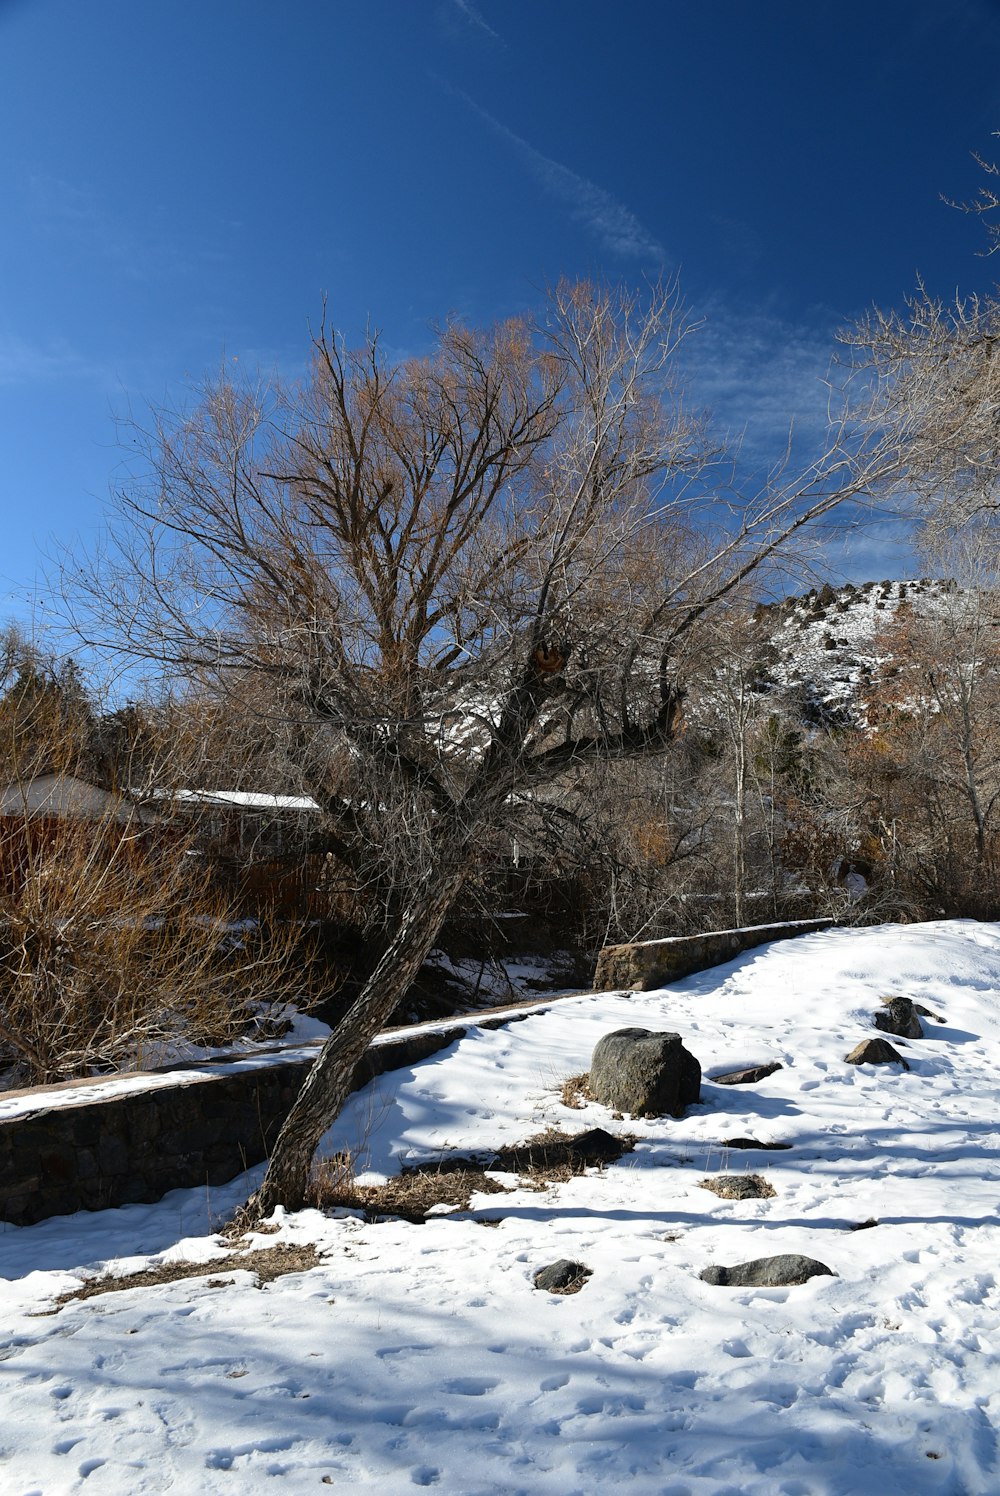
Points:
[644,1073]
[783,1271]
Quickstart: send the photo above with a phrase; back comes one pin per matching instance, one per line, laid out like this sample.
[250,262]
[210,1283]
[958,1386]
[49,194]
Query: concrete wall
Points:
[657,963]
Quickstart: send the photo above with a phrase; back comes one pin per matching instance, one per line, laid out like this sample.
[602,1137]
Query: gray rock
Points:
[748,1076]
[875,1052]
[563,1276]
[784,1271]
[596,1146]
[645,1073]
[556,1151]
[738,1186]
[754,1143]
[899,1018]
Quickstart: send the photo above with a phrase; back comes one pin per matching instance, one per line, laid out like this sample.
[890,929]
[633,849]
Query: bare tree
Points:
[458,581]
[733,700]
[986,203]
[936,395]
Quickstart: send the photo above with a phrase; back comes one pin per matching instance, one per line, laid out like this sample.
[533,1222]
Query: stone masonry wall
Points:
[139,1144]
[656,963]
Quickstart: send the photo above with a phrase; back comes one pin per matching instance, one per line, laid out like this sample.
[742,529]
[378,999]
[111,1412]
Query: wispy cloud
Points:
[613,224]
[763,376]
[23,362]
[871,548]
[77,213]
[771,386]
[472,16]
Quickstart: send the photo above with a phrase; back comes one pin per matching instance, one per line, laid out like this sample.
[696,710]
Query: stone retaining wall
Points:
[135,1146]
[657,963]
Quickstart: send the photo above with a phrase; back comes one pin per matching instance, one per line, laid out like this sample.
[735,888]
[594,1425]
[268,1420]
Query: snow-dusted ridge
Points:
[831,643]
[423,1356]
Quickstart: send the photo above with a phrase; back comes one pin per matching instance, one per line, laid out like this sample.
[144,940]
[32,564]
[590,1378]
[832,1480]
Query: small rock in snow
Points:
[900,1018]
[784,1271]
[738,1186]
[754,1143]
[563,1276]
[746,1077]
[875,1052]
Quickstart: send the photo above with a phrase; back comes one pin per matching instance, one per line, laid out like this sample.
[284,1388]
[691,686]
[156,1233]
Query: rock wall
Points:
[135,1146]
[657,963]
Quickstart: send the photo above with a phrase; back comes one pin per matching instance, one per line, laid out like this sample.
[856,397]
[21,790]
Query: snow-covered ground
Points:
[422,1355]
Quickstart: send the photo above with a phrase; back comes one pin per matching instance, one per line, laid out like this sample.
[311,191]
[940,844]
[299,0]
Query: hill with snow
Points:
[829,645]
[417,1355]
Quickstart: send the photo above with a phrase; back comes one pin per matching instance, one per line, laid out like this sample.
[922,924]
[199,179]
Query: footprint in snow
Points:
[610,1407]
[471,1386]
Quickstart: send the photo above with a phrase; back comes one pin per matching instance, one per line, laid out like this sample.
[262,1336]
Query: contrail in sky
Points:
[615,225]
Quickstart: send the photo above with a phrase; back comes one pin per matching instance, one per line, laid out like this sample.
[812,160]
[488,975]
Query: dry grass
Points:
[265,1228]
[410,1196]
[575,1091]
[550,1157]
[554,1156]
[267,1263]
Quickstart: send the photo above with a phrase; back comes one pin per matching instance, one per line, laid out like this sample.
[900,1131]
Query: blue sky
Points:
[183,180]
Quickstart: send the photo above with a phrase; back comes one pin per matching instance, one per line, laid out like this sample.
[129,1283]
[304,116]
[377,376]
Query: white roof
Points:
[246,799]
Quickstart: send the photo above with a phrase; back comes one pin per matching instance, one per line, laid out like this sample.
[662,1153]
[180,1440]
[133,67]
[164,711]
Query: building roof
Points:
[240,799]
[65,797]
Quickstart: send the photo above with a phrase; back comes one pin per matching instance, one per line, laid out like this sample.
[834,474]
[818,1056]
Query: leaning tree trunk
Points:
[329,1082]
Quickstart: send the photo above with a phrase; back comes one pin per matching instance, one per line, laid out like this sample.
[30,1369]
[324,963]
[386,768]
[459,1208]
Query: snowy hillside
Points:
[423,1355]
[829,644]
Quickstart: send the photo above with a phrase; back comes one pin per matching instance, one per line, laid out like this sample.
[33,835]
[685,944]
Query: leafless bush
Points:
[115,945]
[115,950]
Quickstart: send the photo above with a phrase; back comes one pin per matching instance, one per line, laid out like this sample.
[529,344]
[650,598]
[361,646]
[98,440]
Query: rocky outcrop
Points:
[644,1073]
